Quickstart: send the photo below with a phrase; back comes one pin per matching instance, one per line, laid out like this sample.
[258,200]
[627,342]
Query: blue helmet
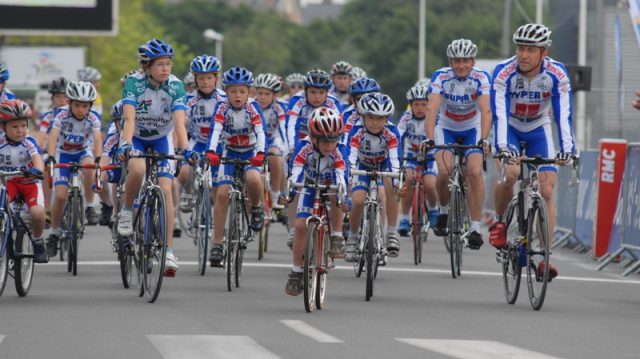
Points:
[205,64]
[317,78]
[152,50]
[363,85]
[237,76]
[377,104]
[4,73]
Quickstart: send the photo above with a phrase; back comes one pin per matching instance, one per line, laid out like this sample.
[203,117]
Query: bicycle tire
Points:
[359,258]
[417,210]
[5,248]
[155,244]
[231,243]
[371,252]
[537,252]
[202,230]
[323,259]
[23,263]
[511,270]
[310,277]
[125,257]
[264,232]
[454,229]
[243,232]
[77,229]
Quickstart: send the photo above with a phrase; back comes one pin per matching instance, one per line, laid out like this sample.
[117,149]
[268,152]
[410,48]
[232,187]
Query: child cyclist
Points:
[18,152]
[238,126]
[412,133]
[358,88]
[201,104]
[109,147]
[70,141]
[267,85]
[373,145]
[5,94]
[153,108]
[321,151]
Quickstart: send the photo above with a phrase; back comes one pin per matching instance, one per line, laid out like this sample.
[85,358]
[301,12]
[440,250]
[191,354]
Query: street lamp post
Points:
[212,35]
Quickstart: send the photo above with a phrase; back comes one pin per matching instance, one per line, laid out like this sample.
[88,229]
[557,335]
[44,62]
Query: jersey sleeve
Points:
[500,104]
[562,104]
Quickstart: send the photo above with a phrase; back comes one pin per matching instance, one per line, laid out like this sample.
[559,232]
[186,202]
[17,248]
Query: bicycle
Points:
[123,246]
[272,210]
[237,232]
[371,249]
[420,223]
[527,234]
[72,225]
[150,227]
[458,219]
[200,223]
[16,252]
[316,257]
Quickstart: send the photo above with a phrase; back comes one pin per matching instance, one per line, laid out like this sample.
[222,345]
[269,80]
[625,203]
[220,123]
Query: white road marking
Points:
[1,338]
[382,269]
[311,332]
[475,349]
[208,346]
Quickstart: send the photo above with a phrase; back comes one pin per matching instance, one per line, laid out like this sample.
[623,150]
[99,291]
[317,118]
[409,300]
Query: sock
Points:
[434,208]
[444,209]
[56,231]
[336,234]
[404,217]
[392,229]
[297,269]
[353,235]
[475,226]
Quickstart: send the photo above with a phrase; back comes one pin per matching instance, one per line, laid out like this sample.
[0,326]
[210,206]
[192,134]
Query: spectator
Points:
[636,103]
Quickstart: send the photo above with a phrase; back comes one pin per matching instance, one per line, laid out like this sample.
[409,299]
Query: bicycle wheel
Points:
[417,211]
[155,244]
[203,214]
[23,262]
[454,228]
[231,239]
[125,257]
[76,230]
[371,251]
[508,256]
[359,257]
[243,233]
[537,253]
[310,278]
[264,232]
[323,260]
[5,247]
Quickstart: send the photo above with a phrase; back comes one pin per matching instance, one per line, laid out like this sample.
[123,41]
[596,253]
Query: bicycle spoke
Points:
[538,254]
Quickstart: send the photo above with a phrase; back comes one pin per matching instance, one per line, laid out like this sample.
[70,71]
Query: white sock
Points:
[404,217]
[297,269]
[475,226]
[444,209]
[392,229]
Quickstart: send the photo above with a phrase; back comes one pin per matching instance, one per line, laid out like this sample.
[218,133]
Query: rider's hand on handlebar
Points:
[486,145]
[214,159]
[258,160]
[122,150]
[426,146]
[564,159]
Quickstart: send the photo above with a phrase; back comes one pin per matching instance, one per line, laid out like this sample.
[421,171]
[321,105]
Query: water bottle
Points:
[522,255]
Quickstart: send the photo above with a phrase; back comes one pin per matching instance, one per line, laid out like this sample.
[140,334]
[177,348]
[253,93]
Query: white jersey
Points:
[459,110]
[200,111]
[75,135]
[17,155]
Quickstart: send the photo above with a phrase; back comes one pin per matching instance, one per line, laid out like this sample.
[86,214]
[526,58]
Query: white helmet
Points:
[376,103]
[357,73]
[268,81]
[425,81]
[418,93]
[532,34]
[189,79]
[462,49]
[89,74]
[81,91]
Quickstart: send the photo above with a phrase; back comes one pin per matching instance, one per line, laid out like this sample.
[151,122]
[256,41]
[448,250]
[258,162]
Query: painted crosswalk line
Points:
[311,332]
[474,349]
[209,347]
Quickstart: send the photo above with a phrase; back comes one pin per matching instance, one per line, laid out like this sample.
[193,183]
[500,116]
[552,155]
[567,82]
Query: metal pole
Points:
[539,6]
[421,38]
[506,29]
[581,97]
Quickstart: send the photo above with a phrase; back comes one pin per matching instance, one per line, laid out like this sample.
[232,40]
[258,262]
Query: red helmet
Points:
[14,110]
[325,124]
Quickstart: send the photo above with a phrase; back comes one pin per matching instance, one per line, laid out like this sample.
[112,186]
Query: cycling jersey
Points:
[298,115]
[17,155]
[342,97]
[350,118]
[200,109]
[412,133]
[309,165]
[154,106]
[239,130]
[6,94]
[525,104]
[459,108]
[75,135]
[378,152]
[275,116]
[47,119]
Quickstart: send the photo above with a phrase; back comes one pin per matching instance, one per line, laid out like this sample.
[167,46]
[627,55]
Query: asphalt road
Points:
[416,311]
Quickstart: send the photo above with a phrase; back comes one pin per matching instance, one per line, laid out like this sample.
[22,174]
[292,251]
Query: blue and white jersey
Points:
[17,155]
[526,104]
[350,118]
[412,133]
[342,97]
[46,120]
[298,115]
[238,129]
[6,94]
[75,135]
[200,111]
[275,116]
[310,165]
[459,110]
[374,151]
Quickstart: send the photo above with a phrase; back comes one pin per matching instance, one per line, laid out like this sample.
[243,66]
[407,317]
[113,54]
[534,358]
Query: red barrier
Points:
[611,162]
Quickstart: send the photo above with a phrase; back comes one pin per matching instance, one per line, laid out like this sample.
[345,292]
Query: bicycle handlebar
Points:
[21,172]
[376,173]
